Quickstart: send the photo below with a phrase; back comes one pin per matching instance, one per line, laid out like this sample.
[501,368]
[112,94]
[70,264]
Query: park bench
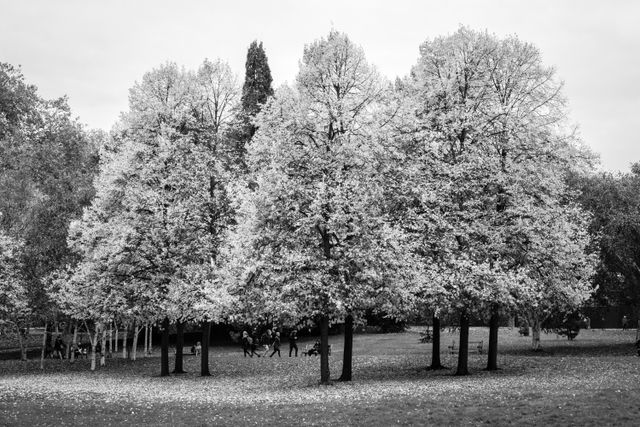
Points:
[473,346]
[313,350]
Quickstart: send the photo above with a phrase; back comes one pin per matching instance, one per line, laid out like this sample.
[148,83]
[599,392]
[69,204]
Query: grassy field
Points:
[594,380]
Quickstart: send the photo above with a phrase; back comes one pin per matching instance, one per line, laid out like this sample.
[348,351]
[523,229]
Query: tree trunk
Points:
[103,354]
[535,335]
[109,339]
[347,357]
[72,356]
[146,339]
[125,333]
[324,350]
[164,348]
[204,354]
[463,351]
[44,345]
[178,369]
[435,348]
[23,348]
[492,357]
[115,325]
[67,331]
[93,338]
[134,346]
[150,339]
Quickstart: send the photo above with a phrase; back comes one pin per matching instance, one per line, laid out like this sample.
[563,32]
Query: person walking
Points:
[276,345]
[266,341]
[246,344]
[58,347]
[625,322]
[253,342]
[293,342]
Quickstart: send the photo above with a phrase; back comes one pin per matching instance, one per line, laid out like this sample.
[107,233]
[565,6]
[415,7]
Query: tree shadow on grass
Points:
[574,348]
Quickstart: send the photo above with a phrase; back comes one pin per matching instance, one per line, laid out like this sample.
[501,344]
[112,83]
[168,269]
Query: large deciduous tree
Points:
[314,226]
[47,163]
[490,150]
[160,212]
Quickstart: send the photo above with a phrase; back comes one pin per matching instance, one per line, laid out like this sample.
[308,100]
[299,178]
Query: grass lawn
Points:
[594,380]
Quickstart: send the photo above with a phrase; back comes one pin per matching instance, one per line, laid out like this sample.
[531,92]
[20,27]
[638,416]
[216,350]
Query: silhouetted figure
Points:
[253,340]
[246,344]
[276,345]
[266,341]
[293,342]
[58,347]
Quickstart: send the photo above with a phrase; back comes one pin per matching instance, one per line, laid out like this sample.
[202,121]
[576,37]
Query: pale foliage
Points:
[149,241]
[13,296]
[313,237]
[484,126]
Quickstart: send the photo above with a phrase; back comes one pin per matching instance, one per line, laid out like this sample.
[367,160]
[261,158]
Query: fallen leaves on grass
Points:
[384,375]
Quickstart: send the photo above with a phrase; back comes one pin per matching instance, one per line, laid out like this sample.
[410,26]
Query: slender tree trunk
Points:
[115,326]
[150,339]
[435,348]
[324,350]
[535,335]
[93,338]
[347,357]
[463,351]
[72,356]
[125,333]
[44,345]
[492,356]
[67,331]
[109,339]
[204,354]
[164,348]
[103,354]
[178,369]
[134,345]
[146,339]
[23,349]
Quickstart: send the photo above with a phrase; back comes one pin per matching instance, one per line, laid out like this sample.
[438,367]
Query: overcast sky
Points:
[94,51]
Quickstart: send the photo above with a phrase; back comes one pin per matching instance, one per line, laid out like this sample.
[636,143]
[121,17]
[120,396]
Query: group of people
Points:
[58,349]
[196,350]
[251,344]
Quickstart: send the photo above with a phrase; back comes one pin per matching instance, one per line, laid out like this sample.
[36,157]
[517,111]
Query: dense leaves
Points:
[47,163]
[487,195]
[614,201]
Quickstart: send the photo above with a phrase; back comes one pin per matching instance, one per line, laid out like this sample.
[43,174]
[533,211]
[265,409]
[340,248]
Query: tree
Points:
[314,227]
[614,203]
[257,86]
[47,163]
[160,212]
[488,138]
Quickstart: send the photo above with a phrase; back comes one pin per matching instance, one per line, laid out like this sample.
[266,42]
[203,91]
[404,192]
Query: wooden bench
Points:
[473,346]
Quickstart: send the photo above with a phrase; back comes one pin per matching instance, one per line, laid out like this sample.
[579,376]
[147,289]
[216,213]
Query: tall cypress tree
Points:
[257,86]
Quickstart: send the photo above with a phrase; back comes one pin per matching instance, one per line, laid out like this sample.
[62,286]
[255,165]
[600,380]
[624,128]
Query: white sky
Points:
[94,51]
